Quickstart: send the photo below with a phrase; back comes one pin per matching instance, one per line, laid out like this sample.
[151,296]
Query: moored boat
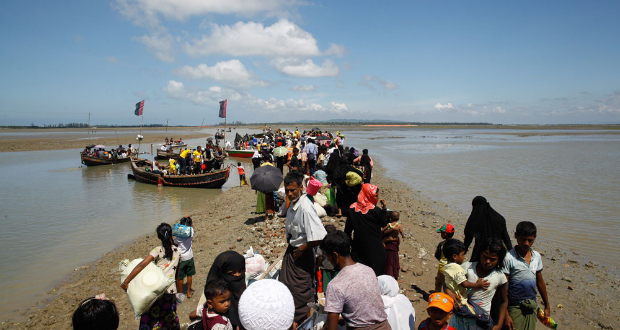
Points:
[240,153]
[214,179]
[90,160]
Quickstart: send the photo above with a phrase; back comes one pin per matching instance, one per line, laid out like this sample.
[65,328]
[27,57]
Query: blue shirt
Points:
[311,148]
[521,276]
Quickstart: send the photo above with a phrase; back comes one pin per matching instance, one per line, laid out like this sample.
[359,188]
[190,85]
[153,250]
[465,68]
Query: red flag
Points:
[223,108]
[139,108]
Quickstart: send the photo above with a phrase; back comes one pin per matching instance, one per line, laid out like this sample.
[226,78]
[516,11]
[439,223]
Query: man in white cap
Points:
[266,305]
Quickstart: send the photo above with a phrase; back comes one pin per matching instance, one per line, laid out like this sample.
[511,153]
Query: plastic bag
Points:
[146,287]
[254,264]
[180,230]
[331,196]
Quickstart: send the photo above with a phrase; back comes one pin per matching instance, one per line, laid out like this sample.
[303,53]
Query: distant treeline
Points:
[346,122]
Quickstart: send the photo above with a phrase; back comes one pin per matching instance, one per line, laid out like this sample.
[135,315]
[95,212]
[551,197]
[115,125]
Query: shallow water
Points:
[568,185]
[58,216]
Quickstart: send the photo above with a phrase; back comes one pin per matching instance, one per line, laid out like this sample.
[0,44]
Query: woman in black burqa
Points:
[230,267]
[484,223]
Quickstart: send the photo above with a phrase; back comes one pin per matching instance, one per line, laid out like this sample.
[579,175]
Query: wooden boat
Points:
[174,152]
[240,153]
[207,180]
[90,160]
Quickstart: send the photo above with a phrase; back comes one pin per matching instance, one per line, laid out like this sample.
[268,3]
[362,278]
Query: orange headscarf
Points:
[367,198]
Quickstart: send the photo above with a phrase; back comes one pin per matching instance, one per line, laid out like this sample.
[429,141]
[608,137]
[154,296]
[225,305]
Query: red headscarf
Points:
[367,198]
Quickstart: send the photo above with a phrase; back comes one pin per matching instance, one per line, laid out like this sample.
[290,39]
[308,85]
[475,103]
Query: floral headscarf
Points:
[367,198]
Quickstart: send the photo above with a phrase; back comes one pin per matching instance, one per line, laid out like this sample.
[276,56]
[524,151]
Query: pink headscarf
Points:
[367,198]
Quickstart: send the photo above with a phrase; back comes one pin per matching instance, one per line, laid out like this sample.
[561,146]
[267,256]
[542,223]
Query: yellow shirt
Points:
[196,155]
[185,152]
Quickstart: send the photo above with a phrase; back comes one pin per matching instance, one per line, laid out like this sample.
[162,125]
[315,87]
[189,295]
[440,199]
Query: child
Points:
[440,311]
[213,312]
[447,231]
[491,256]
[457,284]
[96,313]
[163,313]
[186,265]
[523,268]
[391,241]
[328,272]
[241,170]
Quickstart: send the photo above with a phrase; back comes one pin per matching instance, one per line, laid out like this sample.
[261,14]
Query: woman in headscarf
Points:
[400,312]
[484,223]
[366,221]
[230,267]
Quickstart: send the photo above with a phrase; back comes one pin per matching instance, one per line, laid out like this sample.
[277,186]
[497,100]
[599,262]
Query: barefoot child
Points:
[447,231]
[391,241]
[457,284]
[186,265]
[523,268]
[163,313]
[440,311]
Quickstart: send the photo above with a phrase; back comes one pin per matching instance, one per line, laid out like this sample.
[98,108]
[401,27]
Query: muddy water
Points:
[568,185]
[57,216]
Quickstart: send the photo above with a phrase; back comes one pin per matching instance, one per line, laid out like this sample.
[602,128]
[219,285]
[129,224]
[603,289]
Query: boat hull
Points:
[240,153]
[97,161]
[212,180]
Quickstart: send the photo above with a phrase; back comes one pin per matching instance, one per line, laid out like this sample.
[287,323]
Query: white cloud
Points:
[111,59]
[303,88]
[274,105]
[283,38]
[147,13]
[306,69]
[212,95]
[368,81]
[160,44]
[336,50]
[440,106]
[232,72]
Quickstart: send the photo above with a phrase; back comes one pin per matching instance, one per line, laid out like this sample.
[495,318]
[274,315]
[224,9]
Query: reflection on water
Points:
[568,185]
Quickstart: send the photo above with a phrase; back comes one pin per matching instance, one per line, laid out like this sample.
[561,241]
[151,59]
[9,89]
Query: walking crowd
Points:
[349,276]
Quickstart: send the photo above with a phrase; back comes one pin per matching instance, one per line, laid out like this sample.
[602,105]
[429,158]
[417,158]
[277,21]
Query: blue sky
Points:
[545,62]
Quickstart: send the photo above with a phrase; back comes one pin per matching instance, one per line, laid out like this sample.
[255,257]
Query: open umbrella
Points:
[280,151]
[266,179]
[100,146]
[322,138]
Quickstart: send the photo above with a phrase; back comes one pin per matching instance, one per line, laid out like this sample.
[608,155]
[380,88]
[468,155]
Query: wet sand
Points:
[582,294]
[13,140]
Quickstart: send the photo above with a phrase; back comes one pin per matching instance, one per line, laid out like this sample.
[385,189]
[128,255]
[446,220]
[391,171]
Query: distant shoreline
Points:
[18,139]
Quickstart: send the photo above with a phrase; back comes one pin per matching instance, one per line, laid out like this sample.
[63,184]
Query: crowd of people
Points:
[354,268]
[114,153]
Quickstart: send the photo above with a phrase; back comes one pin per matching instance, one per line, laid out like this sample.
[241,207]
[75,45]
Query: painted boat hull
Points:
[240,153]
[209,180]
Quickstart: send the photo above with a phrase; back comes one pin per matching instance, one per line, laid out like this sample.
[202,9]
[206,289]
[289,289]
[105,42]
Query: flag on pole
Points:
[222,108]
[139,108]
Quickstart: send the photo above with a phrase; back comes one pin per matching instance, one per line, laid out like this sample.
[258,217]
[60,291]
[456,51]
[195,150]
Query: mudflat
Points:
[13,140]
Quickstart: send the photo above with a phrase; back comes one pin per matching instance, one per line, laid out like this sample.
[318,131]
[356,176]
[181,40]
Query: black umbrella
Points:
[266,179]
[322,138]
